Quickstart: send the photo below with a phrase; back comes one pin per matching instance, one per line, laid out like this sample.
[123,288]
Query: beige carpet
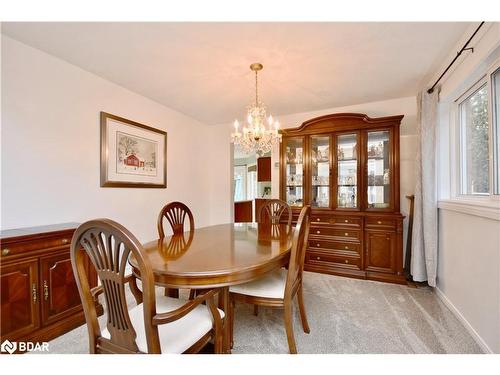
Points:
[345,316]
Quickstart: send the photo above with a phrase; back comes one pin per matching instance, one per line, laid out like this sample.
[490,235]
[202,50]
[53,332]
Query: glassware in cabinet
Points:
[347,170]
[379,169]
[320,171]
[294,171]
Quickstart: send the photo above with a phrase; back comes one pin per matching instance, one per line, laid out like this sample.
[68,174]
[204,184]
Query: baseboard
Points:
[464,321]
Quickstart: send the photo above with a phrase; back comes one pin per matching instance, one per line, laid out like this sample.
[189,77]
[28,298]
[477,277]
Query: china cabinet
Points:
[346,167]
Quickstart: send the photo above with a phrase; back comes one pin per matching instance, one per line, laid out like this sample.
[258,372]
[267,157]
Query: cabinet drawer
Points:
[17,248]
[313,257]
[351,221]
[382,222]
[347,234]
[334,232]
[320,219]
[348,221]
[341,247]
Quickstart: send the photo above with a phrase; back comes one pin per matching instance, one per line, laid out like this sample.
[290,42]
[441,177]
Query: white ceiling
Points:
[202,69]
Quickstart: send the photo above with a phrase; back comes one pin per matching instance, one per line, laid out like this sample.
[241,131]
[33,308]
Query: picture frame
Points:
[133,155]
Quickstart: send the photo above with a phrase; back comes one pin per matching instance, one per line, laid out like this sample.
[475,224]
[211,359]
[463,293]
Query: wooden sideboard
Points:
[346,167]
[39,296]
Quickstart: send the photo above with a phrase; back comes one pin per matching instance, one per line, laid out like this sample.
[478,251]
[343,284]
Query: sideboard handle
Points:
[33,292]
[5,252]
[45,290]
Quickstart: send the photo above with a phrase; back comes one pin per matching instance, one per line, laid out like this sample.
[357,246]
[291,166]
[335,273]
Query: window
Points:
[474,142]
[477,170]
[495,97]
[240,183]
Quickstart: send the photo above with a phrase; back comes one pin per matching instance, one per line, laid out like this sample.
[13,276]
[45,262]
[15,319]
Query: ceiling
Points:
[202,69]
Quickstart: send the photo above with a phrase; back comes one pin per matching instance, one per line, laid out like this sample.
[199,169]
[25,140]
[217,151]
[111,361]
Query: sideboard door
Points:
[20,299]
[380,251]
[59,293]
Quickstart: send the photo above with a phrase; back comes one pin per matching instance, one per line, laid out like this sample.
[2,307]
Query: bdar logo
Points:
[9,347]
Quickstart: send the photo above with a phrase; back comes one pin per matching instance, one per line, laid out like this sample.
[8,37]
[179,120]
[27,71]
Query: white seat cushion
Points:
[271,285]
[175,337]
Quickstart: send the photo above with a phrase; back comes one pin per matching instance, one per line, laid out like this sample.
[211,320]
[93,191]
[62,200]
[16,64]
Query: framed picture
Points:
[132,154]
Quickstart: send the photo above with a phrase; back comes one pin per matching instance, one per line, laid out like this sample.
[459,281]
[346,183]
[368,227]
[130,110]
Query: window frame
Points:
[494,132]
[462,141]
[457,146]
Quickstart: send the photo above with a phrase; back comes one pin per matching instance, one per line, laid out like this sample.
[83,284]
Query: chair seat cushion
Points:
[271,285]
[177,336]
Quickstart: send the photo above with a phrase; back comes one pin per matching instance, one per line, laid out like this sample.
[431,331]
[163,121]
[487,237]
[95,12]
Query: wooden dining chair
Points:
[157,324]
[278,289]
[275,211]
[175,213]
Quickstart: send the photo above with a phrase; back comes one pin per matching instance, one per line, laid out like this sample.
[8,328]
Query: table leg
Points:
[224,305]
[172,292]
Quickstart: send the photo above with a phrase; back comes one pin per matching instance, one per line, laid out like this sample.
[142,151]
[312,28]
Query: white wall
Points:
[221,199]
[50,147]
[468,273]
[469,245]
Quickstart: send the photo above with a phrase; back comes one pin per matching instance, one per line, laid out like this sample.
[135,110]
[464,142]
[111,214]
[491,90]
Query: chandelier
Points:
[255,136]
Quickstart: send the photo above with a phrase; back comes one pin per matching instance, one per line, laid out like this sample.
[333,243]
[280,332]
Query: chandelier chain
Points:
[256,90]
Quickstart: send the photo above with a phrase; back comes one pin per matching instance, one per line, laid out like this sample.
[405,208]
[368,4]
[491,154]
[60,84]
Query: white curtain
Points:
[425,224]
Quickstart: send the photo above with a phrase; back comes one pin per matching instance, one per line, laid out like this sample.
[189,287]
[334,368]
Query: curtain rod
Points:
[464,48]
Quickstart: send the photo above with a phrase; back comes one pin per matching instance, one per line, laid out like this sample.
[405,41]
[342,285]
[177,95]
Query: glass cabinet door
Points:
[379,173]
[294,171]
[347,171]
[320,171]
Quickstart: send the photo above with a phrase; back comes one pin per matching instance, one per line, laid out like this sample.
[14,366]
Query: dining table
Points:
[218,256]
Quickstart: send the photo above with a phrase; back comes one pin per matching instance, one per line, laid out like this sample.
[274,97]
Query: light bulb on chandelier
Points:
[255,136]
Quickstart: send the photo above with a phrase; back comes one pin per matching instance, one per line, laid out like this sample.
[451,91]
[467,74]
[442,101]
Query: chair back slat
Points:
[109,245]
[175,213]
[298,251]
[275,211]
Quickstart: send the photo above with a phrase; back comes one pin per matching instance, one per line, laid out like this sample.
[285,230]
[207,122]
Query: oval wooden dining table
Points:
[218,256]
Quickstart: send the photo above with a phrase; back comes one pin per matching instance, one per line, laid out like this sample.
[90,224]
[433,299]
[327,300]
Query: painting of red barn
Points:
[133,161]
[132,154]
[136,155]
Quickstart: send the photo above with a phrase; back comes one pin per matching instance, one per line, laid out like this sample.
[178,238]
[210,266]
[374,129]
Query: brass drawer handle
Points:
[317,245]
[346,234]
[33,292]
[65,241]
[379,222]
[346,261]
[346,247]
[5,252]
[318,258]
[346,221]
[318,232]
[45,290]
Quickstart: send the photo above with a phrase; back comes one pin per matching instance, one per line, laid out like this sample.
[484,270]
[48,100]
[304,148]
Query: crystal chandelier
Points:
[255,136]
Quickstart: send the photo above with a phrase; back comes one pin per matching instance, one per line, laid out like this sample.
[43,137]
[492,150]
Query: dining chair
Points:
[275,211]
[278,289]
[175,213]
[157,324]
